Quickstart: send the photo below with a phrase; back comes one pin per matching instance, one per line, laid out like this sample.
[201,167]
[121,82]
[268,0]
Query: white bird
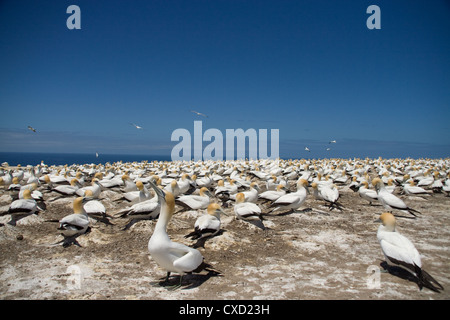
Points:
[366,193]
[412,189]
[22,208]
[250,195]
[136,126]
[145,210]
[169,255]
[137,196]
[95,209]
[292,201]
[332,141]
[307,149]
[389,200]
[74,224]
[399,251]
[31,128]
[327,192]
[67,190]
[248,211]
[207,225]
[95,187]
[199,114]
[195,202]
[173,188]
[272,195]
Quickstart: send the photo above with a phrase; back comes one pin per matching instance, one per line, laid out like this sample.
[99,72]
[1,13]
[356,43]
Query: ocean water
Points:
[25,158]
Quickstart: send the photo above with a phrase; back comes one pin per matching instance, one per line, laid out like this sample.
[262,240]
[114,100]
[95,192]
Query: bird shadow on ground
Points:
[189,281]
[399,272]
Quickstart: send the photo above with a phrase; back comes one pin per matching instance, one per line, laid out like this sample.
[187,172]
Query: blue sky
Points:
[311,69]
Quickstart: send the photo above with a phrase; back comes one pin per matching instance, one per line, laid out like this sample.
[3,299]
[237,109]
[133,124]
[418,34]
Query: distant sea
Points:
[25,158]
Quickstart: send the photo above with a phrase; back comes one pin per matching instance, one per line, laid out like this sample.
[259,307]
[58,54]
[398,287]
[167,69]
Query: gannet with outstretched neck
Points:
[169,255]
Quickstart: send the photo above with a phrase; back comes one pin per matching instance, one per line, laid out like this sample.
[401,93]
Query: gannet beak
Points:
[223,212]
[87,199]
[158,191]
[377,220]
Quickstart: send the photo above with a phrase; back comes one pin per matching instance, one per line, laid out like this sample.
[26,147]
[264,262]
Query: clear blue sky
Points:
[311,69]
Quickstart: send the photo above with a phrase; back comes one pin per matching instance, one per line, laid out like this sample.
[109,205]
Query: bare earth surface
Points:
[310,254]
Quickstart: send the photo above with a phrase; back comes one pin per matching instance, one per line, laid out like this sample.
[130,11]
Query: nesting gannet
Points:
[137,196]
[67,190]
[129,185]
[292,201]
[95,187]
[207,225]
[250,195]
[389,200]
[74,224]
[412,189]
[195,202]
[169,255]
[22,207]
[272,195]
[248,211]
[184,183]
[145,210]
[173,188]
[399,251]
[95,209]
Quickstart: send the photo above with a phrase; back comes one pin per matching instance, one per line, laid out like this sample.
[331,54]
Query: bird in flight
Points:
[332,141]
[136,126]
[199,114]
[31,128]
[307,149]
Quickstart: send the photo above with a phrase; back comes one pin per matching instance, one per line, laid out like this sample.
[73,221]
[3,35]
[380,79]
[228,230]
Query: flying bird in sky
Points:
[135,125]
[199,114]
[307,149]
[332,141]
[31,128]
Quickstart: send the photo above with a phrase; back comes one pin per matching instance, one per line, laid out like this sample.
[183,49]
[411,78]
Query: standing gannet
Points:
[292,201]
[366,193]
[169,255]
[207,225]
[248,211]
[389,200]
[74,224]
[22,208]
[399,251]
[328,193]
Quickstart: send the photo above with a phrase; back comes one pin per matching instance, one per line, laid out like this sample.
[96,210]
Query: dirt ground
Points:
[310,254]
